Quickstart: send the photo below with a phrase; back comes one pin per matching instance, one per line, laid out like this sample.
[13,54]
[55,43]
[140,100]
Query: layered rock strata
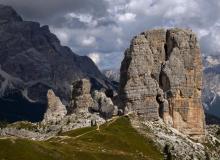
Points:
[161,77]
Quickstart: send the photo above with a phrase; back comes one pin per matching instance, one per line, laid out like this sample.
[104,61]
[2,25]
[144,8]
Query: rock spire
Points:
[161,77]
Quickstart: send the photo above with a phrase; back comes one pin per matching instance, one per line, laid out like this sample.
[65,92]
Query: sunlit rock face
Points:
[161,77]
[56,111]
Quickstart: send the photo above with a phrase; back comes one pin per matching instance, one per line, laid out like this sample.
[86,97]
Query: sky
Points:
[103,29]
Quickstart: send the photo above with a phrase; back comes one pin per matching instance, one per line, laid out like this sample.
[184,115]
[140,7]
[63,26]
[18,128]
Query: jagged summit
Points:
[8,14]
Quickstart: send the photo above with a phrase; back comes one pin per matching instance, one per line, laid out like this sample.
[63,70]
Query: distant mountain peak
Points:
[211,60]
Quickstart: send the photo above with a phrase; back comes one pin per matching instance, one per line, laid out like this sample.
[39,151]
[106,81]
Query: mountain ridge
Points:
[32,60]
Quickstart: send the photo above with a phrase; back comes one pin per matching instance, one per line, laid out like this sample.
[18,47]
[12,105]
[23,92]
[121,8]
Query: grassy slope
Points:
[116,140]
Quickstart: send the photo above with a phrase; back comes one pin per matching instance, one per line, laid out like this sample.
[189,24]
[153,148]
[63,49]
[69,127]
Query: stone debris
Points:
[170,140]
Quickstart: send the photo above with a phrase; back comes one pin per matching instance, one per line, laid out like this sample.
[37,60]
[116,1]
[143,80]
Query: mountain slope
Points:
[32,60]
[211,91]
[114,140]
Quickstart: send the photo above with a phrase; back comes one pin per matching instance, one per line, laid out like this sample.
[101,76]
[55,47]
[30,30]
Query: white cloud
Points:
[202,32]
[86,18]
[140,6]
[106,60]
[127,17]
[83,18]
[211,41]
[119,41]
[89,41]
[95,57]
[62,34]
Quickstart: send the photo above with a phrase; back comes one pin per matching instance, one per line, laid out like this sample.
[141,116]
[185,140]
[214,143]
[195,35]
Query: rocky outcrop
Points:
[93,101]
[161,77]
[32,61]
[104,105]
[56,110]
[7,14]
[176,145]
[81,97]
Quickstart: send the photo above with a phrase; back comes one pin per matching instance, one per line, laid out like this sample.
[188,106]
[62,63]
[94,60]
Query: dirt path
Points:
[97,129]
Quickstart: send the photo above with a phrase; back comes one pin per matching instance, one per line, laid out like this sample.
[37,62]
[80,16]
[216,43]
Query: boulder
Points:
[105,105]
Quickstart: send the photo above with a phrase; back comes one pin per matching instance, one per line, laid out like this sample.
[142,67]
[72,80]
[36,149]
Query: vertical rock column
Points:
[138,89]
[81,97]
[161,76]
[184,71]
[56,111]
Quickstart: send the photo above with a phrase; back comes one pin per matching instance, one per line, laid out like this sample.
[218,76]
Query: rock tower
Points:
[161,77]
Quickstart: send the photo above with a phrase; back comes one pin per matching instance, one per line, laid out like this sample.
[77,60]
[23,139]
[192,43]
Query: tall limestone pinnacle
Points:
[161,77]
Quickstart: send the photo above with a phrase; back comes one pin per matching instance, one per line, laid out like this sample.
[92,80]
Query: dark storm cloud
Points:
[71,23]
[75,22]
[49,9]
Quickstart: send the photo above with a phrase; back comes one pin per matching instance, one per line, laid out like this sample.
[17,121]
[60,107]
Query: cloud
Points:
[95,57]
[127,17]
[46,9]
[89,41]
[103,29]
[211,41]
[106,60]
[62,35]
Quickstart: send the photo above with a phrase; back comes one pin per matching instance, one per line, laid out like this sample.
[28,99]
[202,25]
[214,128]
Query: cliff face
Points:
[161,77]
[32,60]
